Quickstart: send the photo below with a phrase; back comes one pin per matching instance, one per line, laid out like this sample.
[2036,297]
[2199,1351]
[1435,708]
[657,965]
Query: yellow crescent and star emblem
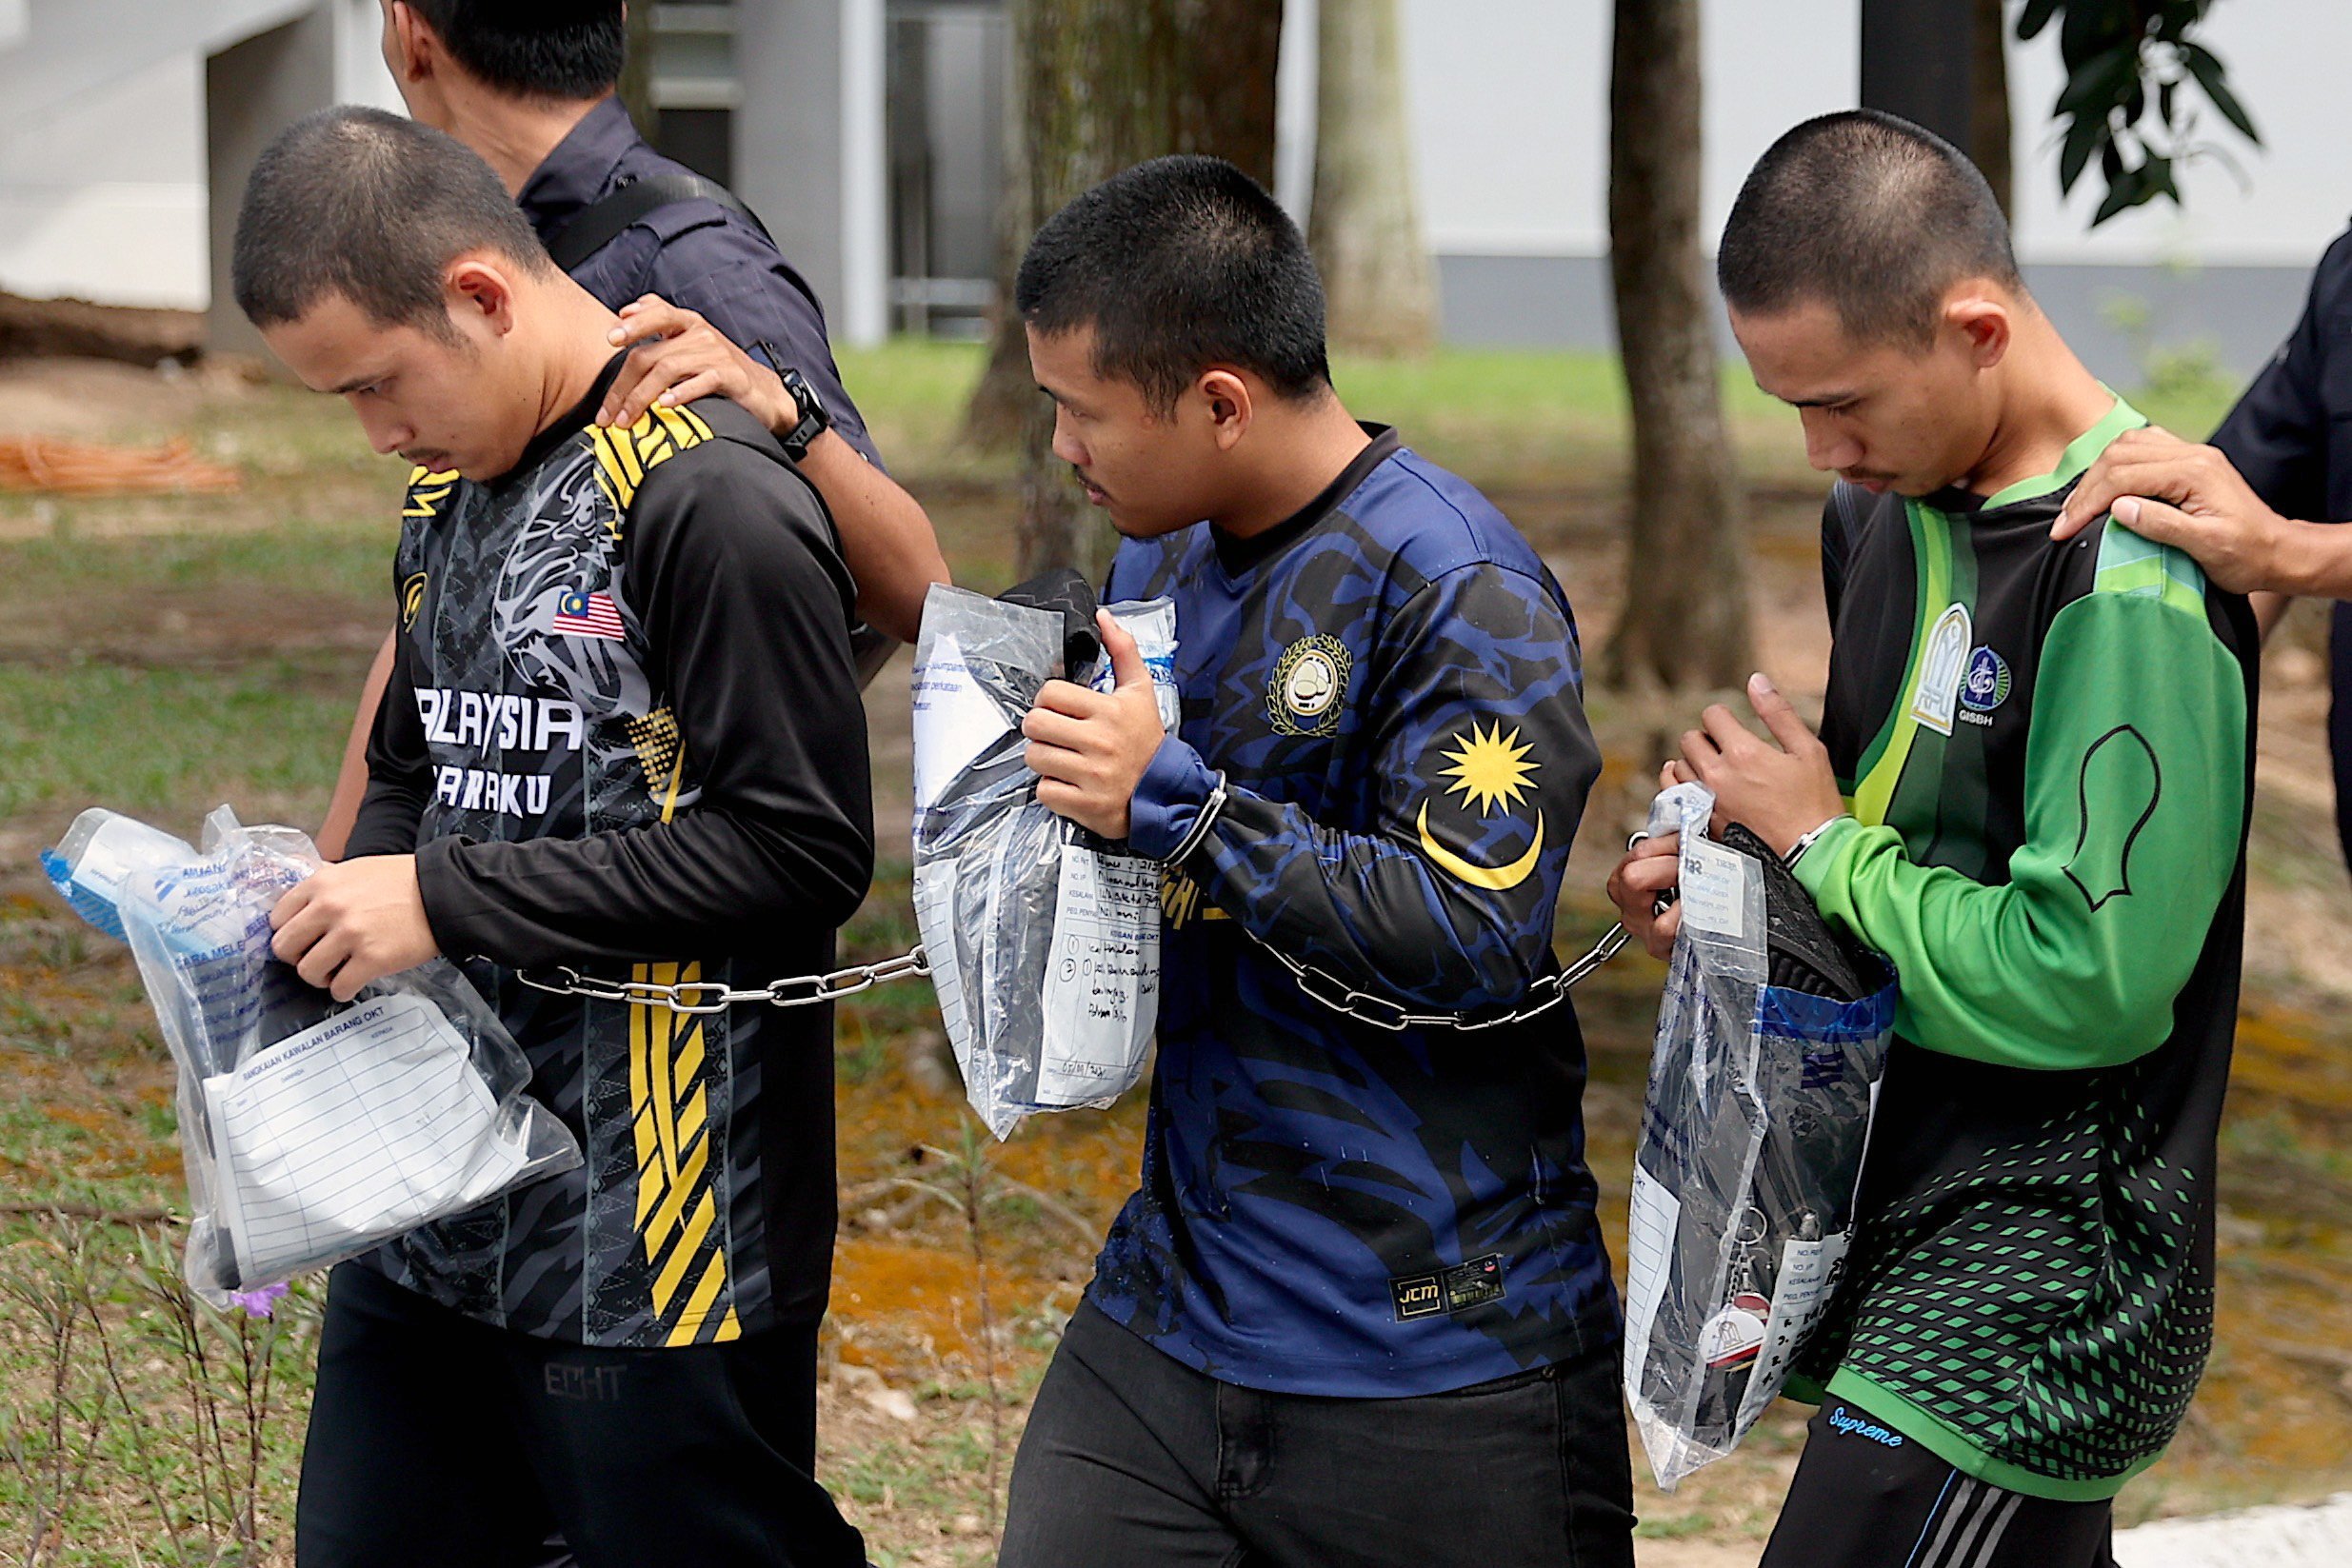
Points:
[1490,768]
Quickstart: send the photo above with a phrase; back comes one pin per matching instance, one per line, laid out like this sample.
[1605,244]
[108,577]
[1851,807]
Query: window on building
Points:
[695,88]
[947,66]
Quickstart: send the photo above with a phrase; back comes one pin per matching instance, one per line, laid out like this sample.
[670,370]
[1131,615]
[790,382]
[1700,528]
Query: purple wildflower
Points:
[258,1303]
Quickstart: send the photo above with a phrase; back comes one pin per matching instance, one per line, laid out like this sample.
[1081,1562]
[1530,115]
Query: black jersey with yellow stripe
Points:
[624,735]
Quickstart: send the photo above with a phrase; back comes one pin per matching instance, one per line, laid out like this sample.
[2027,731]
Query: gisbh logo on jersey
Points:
[1985,687]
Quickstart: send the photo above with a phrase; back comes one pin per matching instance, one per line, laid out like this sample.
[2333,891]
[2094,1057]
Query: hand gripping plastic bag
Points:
[1772,1035]
[311,1129]
[1043,939]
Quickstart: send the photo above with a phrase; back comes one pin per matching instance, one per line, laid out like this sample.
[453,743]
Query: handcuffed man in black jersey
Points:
[622,733]
[710,305]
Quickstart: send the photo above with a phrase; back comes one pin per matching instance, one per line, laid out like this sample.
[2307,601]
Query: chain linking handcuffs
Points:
[710,996]
[1321,985]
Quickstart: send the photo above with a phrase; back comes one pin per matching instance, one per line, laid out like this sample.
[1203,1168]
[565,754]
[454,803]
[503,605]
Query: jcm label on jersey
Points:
[1309,678]
[1942,668]
[1469,1284]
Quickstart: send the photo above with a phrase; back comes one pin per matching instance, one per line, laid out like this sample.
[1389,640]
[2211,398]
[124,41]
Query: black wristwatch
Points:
[814,421]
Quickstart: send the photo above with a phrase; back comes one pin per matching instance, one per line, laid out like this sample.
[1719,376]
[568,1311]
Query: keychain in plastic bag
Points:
[1772,1035]
[311,1129]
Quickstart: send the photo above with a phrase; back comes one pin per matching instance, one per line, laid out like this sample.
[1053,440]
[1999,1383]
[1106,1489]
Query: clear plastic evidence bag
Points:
[1772,1036]
[311,1129]
[1043,939]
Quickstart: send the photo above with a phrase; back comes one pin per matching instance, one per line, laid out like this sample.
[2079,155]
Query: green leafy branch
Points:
[2128,62]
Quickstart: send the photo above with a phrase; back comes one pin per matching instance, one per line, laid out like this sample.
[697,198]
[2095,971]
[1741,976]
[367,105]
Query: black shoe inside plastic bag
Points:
[1805,952]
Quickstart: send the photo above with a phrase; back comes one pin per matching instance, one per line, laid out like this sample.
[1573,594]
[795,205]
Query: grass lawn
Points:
[1495,413]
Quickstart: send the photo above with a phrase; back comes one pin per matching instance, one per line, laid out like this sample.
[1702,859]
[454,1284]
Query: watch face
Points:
[811,406]
[814,421]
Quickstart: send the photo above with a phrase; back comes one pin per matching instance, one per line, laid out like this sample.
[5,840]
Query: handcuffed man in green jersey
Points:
[2029,792]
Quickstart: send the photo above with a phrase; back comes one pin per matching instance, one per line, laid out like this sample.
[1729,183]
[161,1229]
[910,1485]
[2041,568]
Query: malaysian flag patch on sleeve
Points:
[579,614]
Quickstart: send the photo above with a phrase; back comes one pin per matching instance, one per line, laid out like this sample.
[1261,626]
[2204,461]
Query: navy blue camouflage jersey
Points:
[1390,683]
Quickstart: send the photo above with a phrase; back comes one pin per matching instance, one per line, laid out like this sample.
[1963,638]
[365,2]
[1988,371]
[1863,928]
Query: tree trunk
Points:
[1364,226]
[636,84]
[1685,616]
[1988,87]
[1098,86]
[1225,104]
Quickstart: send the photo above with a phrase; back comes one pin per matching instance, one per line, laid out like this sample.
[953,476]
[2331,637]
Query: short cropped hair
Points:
[1181,263]
[535,49]
[1869,215]
[372,206]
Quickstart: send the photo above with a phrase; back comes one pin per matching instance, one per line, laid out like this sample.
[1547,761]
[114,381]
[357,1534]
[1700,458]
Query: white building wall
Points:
[101,196]
[101,181]
[1511,107]
[102,146]
[361,76]
[1510,101]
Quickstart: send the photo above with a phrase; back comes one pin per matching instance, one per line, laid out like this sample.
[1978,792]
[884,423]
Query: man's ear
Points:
[419,47]
[1985,322]
[1226,397]
[480,294]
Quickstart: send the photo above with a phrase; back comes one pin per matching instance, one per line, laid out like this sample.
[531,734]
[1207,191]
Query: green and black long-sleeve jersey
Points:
[2046,748]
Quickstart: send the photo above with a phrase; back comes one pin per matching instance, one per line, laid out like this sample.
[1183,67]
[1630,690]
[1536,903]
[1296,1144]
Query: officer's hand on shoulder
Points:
[352,923]
[675,356]
[1090,748]
[2177,492]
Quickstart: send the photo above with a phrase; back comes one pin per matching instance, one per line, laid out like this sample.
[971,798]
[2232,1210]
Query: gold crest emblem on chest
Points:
[1305,694]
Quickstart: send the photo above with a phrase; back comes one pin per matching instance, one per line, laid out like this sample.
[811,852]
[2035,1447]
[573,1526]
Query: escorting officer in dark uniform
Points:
[622,732]
[709,305]
[2283,455]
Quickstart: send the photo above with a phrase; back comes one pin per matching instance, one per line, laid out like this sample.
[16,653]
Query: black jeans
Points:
[1135,1459]
[436,1440]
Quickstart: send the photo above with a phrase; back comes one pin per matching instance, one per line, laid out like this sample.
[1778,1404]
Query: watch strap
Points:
[814,419]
